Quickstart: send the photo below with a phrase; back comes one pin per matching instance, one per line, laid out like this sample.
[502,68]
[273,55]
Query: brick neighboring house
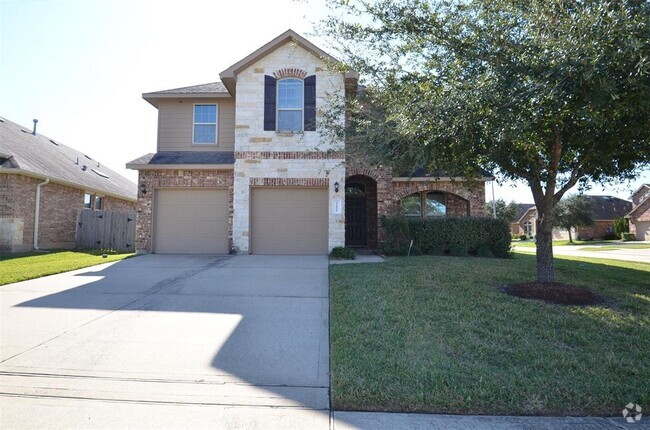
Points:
[69,181]
[243,167]
[605,209]
[639,216]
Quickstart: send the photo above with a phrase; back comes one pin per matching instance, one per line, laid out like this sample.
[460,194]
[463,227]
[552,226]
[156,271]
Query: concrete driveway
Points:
[169,342]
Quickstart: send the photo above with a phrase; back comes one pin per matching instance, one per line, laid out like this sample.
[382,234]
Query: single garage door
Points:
[191,221]
[642,230]
[289,221]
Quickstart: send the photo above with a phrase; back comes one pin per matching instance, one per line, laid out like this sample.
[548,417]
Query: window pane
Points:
[290,94]
[87,198]
[411,205]
[98,203]
[290,120]
[436,205]
[205,114]
[355,188]
[205,133]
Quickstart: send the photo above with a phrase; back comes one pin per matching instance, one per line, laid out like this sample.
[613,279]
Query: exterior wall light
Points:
[336,187]
[143,188]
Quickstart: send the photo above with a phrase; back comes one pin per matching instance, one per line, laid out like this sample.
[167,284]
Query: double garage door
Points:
[282,221]
[642,230]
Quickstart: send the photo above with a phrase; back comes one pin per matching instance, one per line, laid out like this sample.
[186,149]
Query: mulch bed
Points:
[555,292]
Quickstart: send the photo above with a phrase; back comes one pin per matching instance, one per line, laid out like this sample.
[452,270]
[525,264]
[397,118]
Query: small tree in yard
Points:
[554,93]
[505,211]
[621,226]
[573,212]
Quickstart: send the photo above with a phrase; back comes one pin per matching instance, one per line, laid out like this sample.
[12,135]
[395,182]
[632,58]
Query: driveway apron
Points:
[171,341]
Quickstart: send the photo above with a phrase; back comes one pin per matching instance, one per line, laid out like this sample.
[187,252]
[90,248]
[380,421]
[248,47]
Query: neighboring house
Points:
[243,167]
[526,223]
[604,210]
[65,180]
[639,217]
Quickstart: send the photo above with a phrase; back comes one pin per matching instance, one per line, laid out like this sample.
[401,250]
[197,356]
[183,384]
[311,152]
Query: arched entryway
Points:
[360,212]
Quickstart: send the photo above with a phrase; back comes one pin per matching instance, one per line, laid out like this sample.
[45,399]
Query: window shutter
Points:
[269,102]
[310,103]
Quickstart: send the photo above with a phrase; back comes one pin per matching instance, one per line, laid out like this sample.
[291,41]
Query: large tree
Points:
[573,212]
[504,211]
[554,93]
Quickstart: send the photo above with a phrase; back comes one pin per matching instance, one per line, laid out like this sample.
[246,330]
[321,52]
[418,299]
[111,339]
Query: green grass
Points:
[612,247]
[533,244]
[435,334]
[30,265]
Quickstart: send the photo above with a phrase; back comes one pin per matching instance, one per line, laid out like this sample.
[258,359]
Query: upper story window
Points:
[205,124]
[290,104]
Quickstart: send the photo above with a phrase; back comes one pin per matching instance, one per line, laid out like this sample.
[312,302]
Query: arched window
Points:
[425,204]
[290,104]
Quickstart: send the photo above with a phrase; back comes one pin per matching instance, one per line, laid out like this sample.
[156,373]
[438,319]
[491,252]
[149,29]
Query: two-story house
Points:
[242,165]
[639,217]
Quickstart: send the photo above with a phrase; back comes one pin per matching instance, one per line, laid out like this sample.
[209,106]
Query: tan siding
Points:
[175,121]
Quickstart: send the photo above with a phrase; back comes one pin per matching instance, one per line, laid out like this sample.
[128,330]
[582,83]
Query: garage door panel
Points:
[289,221]
[191,221]
[642,230]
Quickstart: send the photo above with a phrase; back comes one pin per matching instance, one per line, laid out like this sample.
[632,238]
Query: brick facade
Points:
[640,211]
[160,179]
[58,213]
[600,230]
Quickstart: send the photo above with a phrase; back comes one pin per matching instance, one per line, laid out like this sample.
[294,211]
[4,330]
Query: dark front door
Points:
[355,221]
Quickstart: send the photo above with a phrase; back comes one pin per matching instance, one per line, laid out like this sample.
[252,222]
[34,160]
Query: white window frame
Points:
[278,109]
[216,124]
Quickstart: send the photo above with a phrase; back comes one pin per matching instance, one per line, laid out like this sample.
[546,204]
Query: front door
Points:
[355,221]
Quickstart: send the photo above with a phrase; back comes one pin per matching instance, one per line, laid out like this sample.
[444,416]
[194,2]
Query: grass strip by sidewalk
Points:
[30,265]
[435,334]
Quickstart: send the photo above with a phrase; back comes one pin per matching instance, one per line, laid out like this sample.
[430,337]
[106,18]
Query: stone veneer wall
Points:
[270,158]
[160,179]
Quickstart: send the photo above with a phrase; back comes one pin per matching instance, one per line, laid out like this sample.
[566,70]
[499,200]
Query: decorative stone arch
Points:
[290,72]
[458,205]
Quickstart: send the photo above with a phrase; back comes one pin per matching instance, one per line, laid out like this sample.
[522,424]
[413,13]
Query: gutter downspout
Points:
[494,203]
[37,210]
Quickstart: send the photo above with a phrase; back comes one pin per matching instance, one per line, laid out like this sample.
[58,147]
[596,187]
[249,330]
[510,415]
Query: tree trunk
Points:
[545,266]
[570,239]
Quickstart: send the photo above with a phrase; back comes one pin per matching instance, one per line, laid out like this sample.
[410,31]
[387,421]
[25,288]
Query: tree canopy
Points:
[505,211]
[554,93]
[572,212]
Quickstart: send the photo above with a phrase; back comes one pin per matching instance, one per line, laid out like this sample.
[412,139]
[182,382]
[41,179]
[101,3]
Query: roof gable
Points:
[229,76]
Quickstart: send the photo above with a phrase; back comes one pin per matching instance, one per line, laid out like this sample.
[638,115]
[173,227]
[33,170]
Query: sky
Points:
[81,66]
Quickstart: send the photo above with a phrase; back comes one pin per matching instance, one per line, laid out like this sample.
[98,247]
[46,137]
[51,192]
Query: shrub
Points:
[628,236]
[610,236]
[621,226]
[523,237]
[342,253]
[454,236]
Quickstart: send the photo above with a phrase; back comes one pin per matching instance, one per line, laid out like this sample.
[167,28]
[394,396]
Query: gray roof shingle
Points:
[40,155]
[186,157]
[209,88]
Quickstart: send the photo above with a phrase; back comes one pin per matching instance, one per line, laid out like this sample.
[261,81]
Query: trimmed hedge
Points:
[626,237]
[342,253]
[447,236]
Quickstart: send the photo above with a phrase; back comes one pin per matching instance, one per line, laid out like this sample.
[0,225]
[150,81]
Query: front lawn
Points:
[435,334]
[30,265]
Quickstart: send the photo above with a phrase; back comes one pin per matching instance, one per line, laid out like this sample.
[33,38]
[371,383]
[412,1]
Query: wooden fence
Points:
[106,230]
